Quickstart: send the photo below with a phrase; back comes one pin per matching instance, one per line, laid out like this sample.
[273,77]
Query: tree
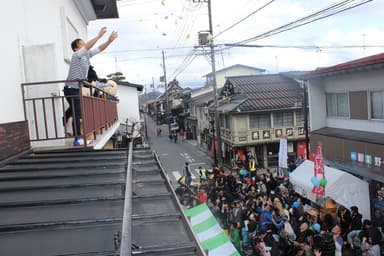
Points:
[117,76]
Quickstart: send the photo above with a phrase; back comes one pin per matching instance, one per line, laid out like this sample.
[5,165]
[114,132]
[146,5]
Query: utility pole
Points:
[305,100]
[213,63]
[214,83]
[165,86]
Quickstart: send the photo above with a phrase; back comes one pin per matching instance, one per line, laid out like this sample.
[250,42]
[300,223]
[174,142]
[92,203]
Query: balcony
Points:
[45,106]
[260,136]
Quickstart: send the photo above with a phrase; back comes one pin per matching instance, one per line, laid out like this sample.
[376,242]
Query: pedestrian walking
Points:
[188,174]
[158,131]
[174,135]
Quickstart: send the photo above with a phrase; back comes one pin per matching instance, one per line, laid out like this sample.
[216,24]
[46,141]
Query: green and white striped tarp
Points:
[209,232]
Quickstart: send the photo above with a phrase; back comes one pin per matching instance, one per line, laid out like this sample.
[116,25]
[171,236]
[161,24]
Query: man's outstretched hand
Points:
[113,36]
[102,31]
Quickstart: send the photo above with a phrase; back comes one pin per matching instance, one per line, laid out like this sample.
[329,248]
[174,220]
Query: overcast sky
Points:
[148,27]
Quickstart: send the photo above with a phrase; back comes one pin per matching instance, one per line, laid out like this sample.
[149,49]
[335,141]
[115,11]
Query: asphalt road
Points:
[174,155]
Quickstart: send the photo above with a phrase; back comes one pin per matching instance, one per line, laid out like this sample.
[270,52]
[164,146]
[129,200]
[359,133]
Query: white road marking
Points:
[176,174]
[187,157]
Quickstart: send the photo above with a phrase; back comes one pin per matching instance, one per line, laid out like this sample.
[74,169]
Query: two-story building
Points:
[347,118]
[197,122]
[255,111]
[39,51]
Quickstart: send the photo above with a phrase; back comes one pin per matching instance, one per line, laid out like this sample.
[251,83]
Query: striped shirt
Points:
[80,62]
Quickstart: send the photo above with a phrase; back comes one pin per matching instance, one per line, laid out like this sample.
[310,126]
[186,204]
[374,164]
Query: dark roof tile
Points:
[265,92]
[354,64]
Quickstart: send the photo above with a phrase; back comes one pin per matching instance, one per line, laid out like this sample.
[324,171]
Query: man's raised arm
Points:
[88,45]
[111,38]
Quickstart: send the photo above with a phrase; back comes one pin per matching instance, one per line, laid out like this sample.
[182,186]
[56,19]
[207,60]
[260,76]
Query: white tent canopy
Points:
[342,187]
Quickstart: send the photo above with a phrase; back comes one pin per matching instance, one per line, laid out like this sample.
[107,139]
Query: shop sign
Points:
[367,159]
[278,133]
[242,138]
[266,134]
[360,157]
[301,131]
[289,131]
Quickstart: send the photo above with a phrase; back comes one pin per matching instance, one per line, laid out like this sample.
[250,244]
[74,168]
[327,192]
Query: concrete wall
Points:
[128,106]
[35,24]
[361,81]
[36,47]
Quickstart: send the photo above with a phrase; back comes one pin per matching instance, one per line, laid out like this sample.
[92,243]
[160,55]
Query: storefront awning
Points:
[342,187]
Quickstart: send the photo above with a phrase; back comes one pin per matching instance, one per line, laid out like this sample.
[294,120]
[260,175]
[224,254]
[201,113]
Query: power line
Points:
[334,9]
[184,66]
[303,46]
[246,17]
[147,50]
[188,23]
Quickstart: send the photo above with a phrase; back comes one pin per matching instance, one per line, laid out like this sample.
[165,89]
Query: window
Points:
[377,105]
[337,104]
[283,119]
[228,122]
[222,121]
[200,113]
[299,118]
[260,121]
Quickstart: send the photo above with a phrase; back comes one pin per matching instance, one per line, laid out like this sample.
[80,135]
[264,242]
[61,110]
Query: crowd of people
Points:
[262,215]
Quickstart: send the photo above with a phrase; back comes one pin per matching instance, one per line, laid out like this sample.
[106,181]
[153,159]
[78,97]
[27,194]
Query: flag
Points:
[283,154]
[318,178]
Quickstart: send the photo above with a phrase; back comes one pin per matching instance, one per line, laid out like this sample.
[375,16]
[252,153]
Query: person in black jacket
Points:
[356,221]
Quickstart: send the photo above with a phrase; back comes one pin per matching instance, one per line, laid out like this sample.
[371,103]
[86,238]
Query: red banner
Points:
[318,163]
[302,149]
[318,172]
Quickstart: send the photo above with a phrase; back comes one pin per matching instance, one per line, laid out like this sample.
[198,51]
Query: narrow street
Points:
[174,155]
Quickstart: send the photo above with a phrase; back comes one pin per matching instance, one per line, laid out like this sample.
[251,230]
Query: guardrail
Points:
[199,249]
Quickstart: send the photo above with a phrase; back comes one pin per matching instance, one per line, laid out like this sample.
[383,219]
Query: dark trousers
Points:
[73,98]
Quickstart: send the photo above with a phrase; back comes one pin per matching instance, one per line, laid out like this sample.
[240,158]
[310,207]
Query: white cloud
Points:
[148,27]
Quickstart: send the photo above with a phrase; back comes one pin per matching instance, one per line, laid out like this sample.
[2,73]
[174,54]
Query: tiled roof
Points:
[71,202]
[236,66]
[354,135]
[370,61]
[266,92]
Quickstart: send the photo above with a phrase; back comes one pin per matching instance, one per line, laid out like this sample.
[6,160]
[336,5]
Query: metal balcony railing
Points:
[45,106]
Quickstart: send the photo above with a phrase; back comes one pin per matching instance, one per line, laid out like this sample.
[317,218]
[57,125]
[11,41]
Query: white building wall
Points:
[28,25]
[361,81]
[128,106]
[221,75]
[235,71]
[317,105]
